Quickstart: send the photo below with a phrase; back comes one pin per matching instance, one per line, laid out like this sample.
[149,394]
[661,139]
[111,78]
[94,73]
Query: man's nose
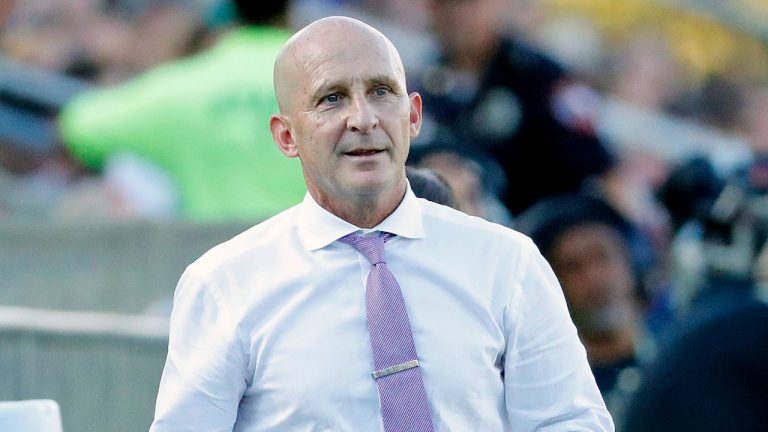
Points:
[362,116]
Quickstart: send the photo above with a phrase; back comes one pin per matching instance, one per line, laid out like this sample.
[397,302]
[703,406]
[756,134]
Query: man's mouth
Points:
[363,152]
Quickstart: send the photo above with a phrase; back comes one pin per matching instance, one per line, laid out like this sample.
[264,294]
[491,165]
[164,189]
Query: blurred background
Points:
[134,136]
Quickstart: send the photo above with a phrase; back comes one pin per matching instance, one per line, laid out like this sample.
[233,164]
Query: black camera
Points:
[727,216]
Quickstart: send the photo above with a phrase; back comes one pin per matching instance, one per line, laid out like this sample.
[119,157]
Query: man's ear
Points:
[414,117]
[283,136]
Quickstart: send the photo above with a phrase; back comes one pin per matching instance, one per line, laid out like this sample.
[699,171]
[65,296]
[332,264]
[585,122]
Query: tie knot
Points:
[372,247]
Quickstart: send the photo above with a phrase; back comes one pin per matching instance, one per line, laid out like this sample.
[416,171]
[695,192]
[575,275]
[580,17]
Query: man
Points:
[281,329]
[495,94]
[195,119]
[588,244]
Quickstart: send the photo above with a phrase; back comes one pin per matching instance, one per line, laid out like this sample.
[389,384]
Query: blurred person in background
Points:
[100,41]
[644,73]
[590,247]
[194,120]
[410,14]
[55,50]
[694,184]
[474,178]
[34,174]
[711,373]
[428,184]
[492,91]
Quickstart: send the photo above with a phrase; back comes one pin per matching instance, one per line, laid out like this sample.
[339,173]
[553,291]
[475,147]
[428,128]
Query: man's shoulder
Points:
[259,239]
[464,226]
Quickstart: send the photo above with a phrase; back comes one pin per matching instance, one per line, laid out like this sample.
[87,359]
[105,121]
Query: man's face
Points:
[351,117]
[592,263]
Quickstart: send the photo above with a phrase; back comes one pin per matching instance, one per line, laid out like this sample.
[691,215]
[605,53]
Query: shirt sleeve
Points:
[547,380]
[205,372]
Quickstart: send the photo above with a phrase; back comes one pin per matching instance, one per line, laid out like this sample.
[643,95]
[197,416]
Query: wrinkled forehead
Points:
[335,50]
[339,48]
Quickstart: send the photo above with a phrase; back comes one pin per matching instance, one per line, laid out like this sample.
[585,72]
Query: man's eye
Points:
[381,91]
[331,98]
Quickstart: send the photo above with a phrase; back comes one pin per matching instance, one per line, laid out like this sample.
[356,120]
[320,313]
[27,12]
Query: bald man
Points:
[365,308]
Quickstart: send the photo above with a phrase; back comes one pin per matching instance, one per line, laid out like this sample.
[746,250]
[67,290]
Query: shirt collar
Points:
[317,227]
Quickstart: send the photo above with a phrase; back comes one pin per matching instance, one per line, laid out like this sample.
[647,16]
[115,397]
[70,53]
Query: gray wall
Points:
[102,267]
[103,369]
[73,321]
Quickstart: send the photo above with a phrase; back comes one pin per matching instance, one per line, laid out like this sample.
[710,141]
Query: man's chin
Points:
[370,184]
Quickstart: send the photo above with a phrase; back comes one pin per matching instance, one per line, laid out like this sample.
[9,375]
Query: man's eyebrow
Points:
[385,80]
[327,87]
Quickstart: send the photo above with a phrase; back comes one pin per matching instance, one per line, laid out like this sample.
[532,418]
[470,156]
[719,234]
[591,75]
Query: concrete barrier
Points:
[108,266]
[102,368]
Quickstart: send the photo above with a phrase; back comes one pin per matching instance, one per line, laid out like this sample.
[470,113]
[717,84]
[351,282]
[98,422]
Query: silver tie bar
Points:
[395,369]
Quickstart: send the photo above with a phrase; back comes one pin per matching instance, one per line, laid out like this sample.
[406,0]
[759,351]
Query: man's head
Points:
[586,243]
[345,112]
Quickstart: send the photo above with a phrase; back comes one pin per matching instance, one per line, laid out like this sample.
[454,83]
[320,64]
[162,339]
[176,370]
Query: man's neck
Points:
[365,211]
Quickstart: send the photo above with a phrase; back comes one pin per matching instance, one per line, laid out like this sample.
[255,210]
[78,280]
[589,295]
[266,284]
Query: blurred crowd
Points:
[628,138]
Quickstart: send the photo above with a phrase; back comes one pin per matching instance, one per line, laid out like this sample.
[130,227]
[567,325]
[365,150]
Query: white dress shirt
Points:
[268,330]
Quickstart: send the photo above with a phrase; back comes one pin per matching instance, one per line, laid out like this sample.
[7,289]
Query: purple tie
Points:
[404,405]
